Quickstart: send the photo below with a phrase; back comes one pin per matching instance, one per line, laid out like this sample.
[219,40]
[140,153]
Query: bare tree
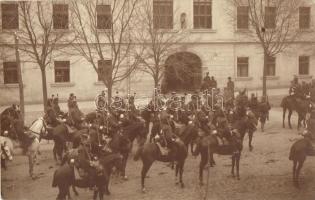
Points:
[38,39]
[105,37]
[273,23]
[158,44]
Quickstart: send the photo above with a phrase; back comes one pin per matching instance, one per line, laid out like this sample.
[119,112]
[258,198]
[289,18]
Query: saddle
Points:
[71,129]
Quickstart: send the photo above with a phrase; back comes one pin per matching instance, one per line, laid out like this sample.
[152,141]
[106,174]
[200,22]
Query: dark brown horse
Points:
[97,173]
[150,152]
[209,145]
[298,152]
[291,104]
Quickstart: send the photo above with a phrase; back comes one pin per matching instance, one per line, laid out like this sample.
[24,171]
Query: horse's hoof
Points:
[238,178]
[251,148]
[182,185]
[144,190]
[125,178]
[201,183]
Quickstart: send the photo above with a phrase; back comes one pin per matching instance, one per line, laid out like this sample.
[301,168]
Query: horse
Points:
[6,151]
[208,145]
[150,152]
[291,104]
[298,152]
[98,173]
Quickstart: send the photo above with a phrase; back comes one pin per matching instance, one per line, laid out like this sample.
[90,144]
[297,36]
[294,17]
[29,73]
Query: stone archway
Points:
[182,72]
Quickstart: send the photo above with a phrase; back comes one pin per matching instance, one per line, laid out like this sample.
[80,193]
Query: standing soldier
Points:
[230,86]
[263,108]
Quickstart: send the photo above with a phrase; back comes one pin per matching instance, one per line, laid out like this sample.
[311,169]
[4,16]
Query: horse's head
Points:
[6,151]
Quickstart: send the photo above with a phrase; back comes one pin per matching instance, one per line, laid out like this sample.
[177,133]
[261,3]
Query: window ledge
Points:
[242,30]
[203,31]
[10,85]
[271,78]
[243,78]
[99,83]
[305,76]
[62,84]
[306,30]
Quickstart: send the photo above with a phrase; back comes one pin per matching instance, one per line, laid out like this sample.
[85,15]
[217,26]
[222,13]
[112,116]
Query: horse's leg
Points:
[250,138]
[95,194]
[124,165]
[283,116]
[176,173]
[233,165]
[238,158]
[181,172]
[298,170]
[145,168]
[299,121]
[289,119]
[74,190]
[203,162]
[212,162]
[294,171]
[31,163]
[101,192]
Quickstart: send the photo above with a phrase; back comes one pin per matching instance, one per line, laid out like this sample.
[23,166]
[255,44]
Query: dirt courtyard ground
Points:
[266,174]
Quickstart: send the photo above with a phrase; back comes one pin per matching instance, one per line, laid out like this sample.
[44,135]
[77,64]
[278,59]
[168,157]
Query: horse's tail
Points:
[138,153]
[54,182]
[292,152]
[283,102]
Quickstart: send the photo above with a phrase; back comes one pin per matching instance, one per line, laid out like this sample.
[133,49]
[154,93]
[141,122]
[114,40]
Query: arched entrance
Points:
[182,73]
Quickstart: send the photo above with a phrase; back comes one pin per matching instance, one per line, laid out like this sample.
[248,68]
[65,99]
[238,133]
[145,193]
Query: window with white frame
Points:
[62,71]
[304,65]
[163,14]
[242,17]
[104,67]
[270,17]
[202,14]
[10,73]
[60,16]
[242,67]
[10,16]
[304,17]
[104,16]
[271,66]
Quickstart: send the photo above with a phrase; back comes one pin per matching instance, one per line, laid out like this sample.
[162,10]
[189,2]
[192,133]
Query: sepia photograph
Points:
[157,99]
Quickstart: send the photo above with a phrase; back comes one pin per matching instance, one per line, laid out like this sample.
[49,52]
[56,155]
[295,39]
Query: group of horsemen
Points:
[165,113]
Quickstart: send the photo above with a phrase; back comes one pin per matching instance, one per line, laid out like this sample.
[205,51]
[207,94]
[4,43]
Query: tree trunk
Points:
[109,93]
[264,92]
[44,84]
[156,81]
[19,71]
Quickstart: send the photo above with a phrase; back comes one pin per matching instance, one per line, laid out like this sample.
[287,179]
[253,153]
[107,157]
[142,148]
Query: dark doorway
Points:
[182,73]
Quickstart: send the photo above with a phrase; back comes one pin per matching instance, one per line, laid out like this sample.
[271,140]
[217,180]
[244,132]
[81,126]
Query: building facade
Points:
[213,37]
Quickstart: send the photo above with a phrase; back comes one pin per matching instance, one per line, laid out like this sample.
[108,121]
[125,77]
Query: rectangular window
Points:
[270,17]
[62,71]
[242,66]
[304,63]
[271,66]
[242,17]
[163,14]
[60,16]
[104,16]
[304,17]
[103,68]
[10,16]
[10,72]
[202,14]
